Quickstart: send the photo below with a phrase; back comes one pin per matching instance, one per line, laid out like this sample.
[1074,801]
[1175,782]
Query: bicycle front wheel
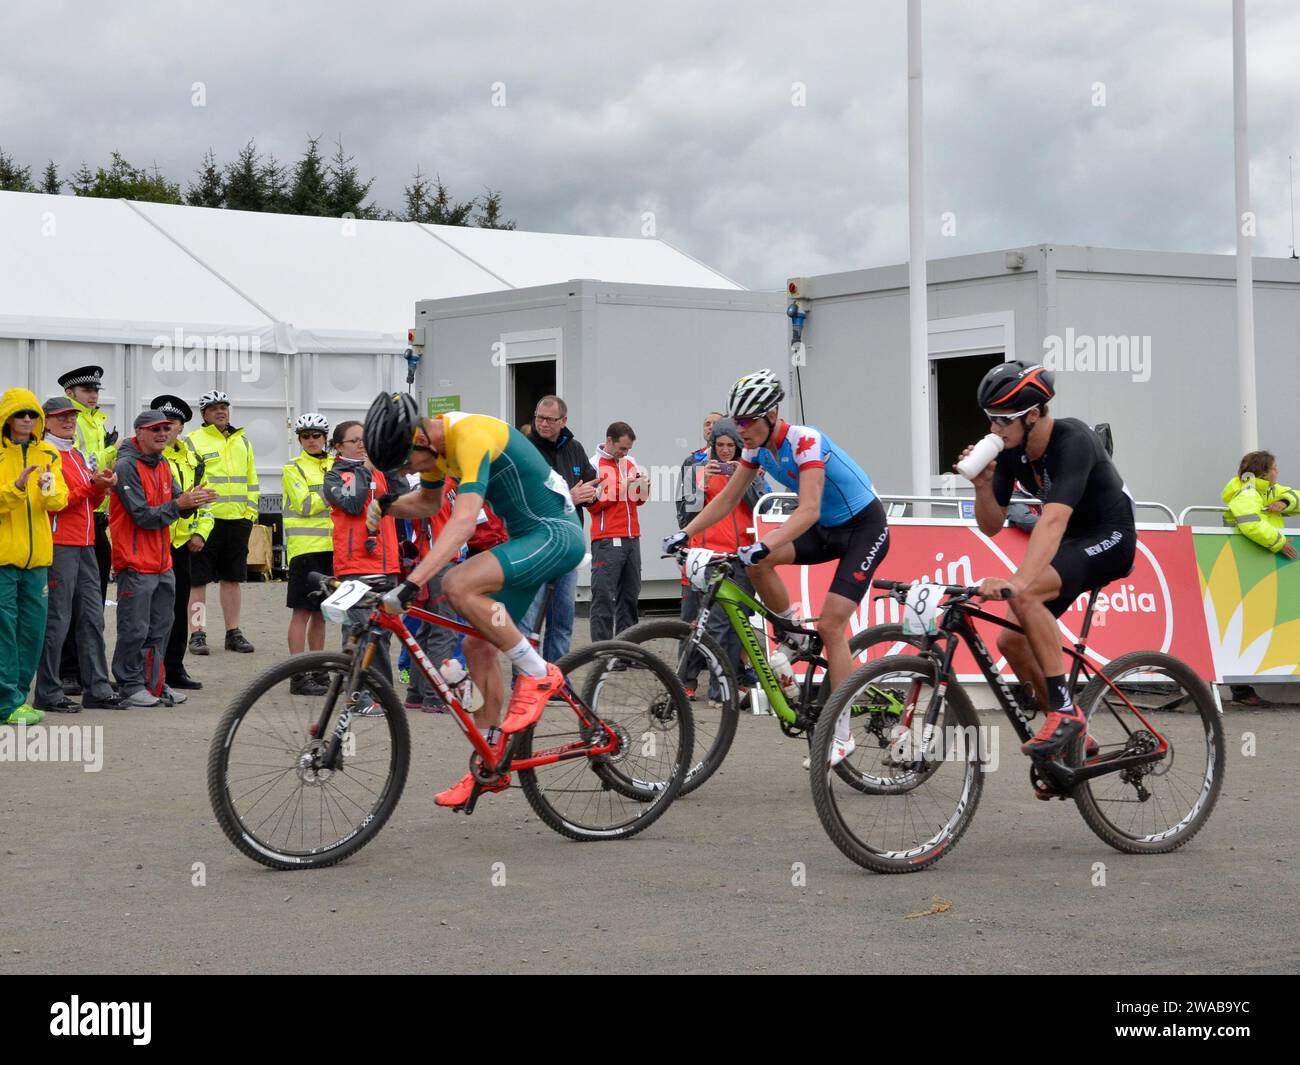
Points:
[923,786]
[1158,806]
[273,797]
[715,726]
[623,690]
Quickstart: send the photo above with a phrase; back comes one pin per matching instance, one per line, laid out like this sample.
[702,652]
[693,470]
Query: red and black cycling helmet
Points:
[389,430]
[1015,388]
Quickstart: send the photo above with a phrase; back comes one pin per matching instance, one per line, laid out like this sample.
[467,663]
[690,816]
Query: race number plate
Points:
[921,611]
[346,596]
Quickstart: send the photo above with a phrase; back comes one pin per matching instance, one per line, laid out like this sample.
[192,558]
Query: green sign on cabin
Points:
[443,404]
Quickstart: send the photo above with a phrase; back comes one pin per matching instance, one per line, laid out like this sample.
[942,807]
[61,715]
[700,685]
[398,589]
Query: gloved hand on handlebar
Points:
[752,554]
[674,542]
[400,598]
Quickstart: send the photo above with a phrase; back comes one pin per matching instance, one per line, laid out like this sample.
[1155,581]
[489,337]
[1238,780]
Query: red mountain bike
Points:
[1145,775]
[299,781]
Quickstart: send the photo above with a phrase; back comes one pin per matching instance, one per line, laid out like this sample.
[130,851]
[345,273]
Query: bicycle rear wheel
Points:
[924,790]
[715,727]
[271,800]
[1156,807]
[614,795]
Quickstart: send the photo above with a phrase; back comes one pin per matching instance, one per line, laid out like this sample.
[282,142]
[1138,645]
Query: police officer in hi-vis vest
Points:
[227,454]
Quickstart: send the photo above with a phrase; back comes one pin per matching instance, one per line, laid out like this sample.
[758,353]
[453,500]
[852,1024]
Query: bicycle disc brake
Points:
[1140,742]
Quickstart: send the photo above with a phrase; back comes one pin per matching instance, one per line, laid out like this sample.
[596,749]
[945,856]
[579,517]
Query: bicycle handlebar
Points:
[379,584]
[948,589]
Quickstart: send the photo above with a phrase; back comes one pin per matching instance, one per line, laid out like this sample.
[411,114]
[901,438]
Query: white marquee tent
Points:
[324,302]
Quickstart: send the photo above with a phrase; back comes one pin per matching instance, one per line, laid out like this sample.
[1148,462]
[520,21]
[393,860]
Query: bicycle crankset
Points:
[478,768]
[1043,788]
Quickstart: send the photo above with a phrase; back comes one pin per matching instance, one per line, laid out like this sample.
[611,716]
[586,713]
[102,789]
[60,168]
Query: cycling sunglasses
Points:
[26,414]
[1007,419]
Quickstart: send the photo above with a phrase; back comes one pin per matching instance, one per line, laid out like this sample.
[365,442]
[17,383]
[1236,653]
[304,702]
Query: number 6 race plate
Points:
[921,611]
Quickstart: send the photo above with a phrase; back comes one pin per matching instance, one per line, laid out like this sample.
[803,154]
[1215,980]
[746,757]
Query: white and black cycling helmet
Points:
[311,421]
[754,394]
[212,398]
[1012,389]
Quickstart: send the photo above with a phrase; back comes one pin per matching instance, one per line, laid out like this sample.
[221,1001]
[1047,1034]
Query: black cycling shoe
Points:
[91,703]
[1058,730]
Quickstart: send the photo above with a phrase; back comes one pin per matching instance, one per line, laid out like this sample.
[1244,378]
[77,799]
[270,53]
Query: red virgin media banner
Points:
[1157,607]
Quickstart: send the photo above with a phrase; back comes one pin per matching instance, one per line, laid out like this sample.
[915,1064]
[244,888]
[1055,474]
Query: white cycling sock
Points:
[527,660]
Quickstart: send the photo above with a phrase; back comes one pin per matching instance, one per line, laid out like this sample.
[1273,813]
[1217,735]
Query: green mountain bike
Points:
[692,650]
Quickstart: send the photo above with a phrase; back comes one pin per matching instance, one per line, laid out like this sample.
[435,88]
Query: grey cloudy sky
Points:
[686,110]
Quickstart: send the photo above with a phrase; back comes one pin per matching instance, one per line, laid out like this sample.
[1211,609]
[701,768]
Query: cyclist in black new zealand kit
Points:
[1085,538]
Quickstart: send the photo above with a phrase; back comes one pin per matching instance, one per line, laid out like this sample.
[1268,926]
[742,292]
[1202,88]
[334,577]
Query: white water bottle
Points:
[780,663]
[981,455]
[452,671]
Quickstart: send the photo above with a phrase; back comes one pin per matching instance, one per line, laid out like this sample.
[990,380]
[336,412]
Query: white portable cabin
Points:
[657,356]
[1161,327]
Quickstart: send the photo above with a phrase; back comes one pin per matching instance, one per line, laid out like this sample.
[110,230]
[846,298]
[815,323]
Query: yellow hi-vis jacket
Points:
[1248,501]
[25,537]
[189,472]
[89,440]
[230,471]
[307,524]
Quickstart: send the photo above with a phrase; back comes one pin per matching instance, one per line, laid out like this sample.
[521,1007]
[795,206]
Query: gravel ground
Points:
[101,876]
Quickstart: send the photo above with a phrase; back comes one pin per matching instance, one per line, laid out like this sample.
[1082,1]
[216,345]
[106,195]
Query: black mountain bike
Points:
[1145,775]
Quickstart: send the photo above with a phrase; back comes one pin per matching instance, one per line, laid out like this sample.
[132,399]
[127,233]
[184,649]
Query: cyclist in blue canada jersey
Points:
[847,490]
[838,518]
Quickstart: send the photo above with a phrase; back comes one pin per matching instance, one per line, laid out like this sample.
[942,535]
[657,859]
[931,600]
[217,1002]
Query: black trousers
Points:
[179,638]
[70,670]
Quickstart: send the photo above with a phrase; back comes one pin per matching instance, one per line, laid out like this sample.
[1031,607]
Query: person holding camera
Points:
[726,537]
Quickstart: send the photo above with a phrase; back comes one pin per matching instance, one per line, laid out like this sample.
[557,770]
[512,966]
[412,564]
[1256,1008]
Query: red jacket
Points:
[614,513]
[350,533]
[141,511]
[732,532]
[74,526]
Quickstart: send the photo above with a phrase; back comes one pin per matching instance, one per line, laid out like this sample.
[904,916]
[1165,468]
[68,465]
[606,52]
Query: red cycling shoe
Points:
[458,794]
[1058,730]
[530,697]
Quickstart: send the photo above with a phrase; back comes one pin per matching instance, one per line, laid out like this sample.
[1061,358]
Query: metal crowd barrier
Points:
[896,505]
